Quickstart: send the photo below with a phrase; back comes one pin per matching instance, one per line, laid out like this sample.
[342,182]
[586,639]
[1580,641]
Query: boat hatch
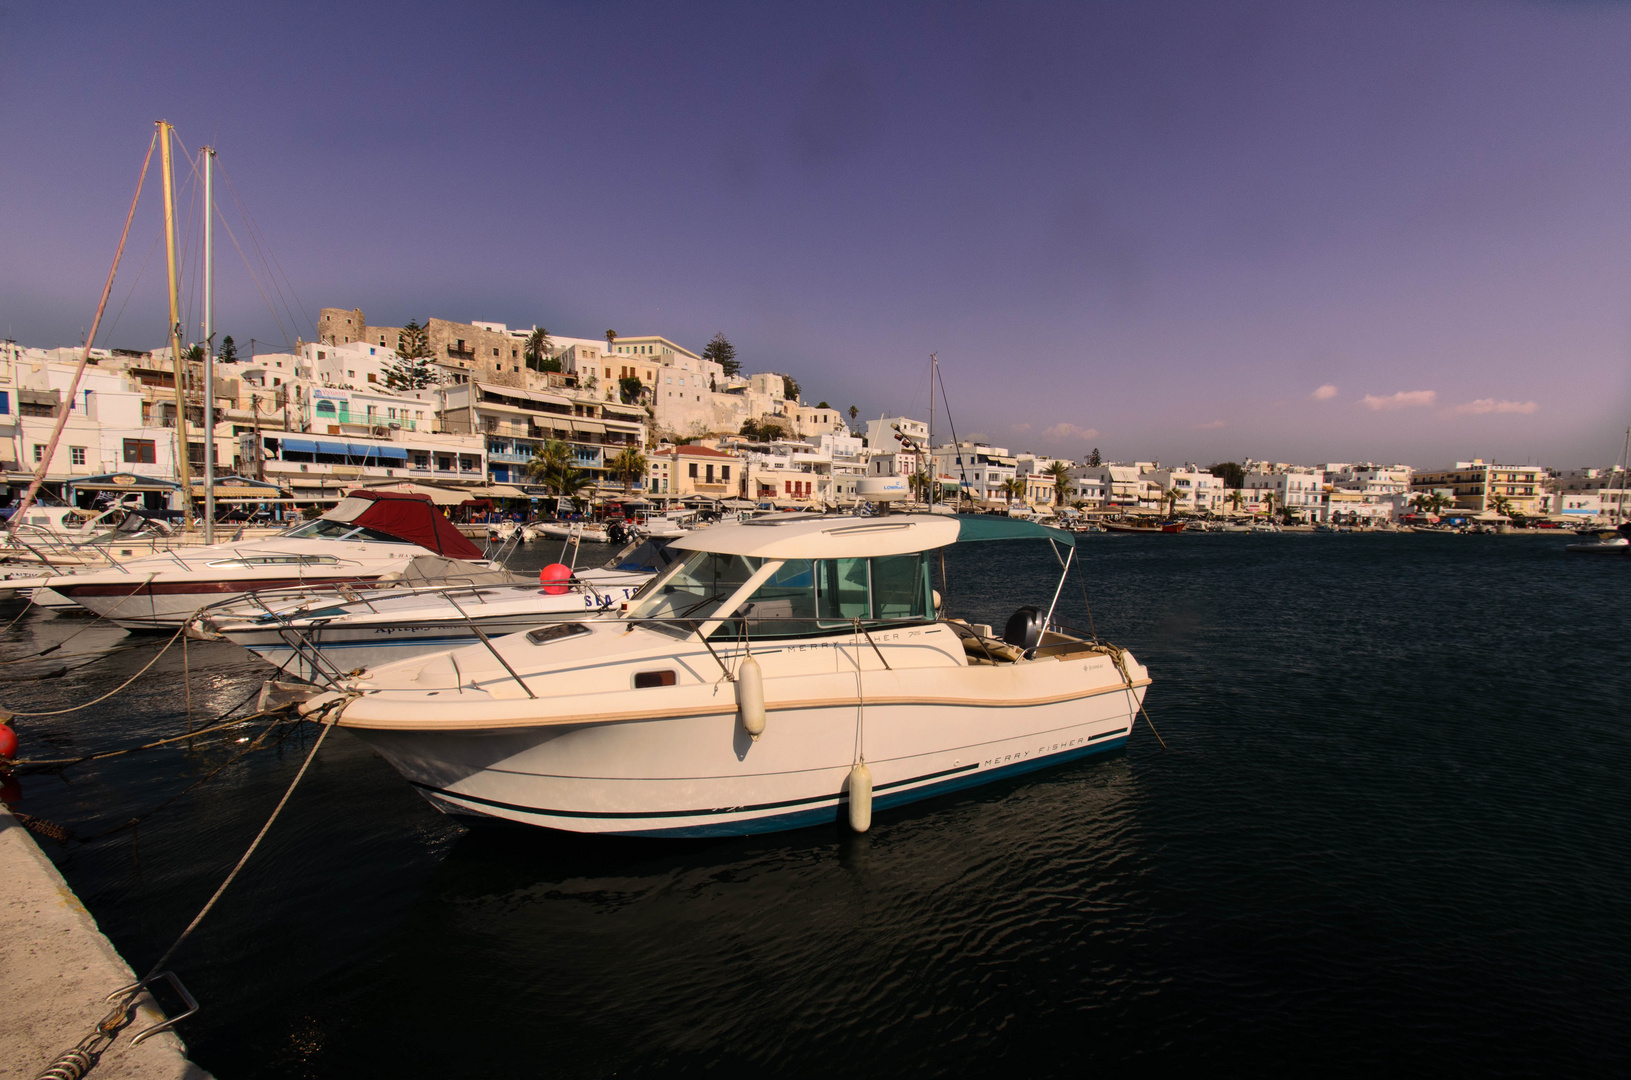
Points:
[545,634]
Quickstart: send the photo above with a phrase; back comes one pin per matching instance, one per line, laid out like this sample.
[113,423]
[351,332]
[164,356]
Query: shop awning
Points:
[499,491]
[122,482]
[437,495]
[588,427]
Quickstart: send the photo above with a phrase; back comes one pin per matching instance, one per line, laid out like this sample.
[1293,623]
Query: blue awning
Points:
[299,446]
[395,452]
[326,447]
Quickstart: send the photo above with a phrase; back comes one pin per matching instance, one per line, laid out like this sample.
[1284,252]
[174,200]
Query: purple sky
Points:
[1168,225]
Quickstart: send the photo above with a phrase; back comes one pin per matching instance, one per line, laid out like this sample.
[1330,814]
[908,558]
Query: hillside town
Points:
[490,419]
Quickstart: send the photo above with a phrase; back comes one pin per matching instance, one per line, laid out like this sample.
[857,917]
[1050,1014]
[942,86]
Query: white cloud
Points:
[1489,405]
[1069,431]
[1404,399]
[1324,393]
[1021,429]
[1213,426]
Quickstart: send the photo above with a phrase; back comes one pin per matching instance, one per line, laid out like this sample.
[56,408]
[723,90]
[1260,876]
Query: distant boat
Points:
[1121,526]
[1606,542]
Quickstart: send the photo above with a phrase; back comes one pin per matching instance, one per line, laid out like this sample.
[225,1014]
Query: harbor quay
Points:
[56,972]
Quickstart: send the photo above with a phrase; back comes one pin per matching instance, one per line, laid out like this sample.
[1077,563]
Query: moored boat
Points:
[778,675]
[366,535]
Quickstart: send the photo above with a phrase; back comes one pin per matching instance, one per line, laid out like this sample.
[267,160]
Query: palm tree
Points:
[1171,497]
[538,349]
[551,466]
[1268,503]
[919,483]
[1061,481]
[853,413]
[611,336]
[1501,505]
[1013,487]
[628,463]
[1236,498]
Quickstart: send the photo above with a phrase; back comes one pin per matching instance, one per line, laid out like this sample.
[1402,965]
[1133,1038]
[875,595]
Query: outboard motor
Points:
[616,533]
[1024,629]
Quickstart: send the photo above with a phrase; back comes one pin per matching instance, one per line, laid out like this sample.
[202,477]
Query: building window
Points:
[39,451]
[140,452]
[691,469]
[5,402]
[724,473]
[710,477]
[77,454]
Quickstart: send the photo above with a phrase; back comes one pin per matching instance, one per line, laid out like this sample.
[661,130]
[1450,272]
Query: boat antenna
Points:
[208,154]
[934,467]
[962,468]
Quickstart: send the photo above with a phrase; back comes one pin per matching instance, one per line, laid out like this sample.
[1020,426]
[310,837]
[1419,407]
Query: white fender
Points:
[750,697]
[860,797]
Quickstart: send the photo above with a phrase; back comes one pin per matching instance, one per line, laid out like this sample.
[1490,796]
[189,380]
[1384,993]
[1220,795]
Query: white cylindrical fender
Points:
[750,697]
[860,797]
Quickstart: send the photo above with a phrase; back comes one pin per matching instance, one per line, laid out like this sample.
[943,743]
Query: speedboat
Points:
[591,531]
[781,674]
[1603,542]
[435,605]
[366,535]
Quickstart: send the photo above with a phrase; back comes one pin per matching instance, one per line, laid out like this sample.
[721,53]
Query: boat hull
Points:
[166,605]
[700,776]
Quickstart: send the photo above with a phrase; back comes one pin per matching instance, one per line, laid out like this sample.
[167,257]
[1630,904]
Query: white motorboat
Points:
[1603,542]
[366,534]
[590,531]
[436,605]
[781,673]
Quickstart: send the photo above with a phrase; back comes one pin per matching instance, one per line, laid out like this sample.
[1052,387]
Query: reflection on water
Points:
[1393,831]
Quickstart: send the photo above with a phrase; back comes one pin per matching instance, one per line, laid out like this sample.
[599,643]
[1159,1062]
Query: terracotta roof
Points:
[698,451]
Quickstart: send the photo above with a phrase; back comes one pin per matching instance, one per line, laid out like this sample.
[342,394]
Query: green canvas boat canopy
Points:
[972,527]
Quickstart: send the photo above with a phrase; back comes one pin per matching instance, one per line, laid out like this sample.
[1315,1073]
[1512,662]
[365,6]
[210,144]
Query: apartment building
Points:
[1475,485]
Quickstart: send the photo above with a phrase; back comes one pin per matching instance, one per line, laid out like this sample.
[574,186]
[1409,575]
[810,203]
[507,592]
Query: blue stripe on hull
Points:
[830,807]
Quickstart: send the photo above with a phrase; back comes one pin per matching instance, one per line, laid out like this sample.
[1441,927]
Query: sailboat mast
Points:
[934,468]
[173,279]
[208,154]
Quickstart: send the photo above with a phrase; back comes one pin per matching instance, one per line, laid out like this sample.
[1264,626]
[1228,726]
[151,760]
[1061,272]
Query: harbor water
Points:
[1391,830]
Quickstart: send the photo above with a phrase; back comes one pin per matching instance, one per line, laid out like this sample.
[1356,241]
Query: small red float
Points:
[554,578]
[8,741]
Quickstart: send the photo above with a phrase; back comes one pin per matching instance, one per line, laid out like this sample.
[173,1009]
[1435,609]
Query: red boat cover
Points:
[413,517]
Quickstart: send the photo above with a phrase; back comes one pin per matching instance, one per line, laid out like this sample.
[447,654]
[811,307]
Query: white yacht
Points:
[366,535]
[781,674]
[435,605]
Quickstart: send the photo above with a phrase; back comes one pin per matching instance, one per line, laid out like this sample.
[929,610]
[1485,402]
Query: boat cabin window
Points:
[805,598]
[801,598]
[324,528]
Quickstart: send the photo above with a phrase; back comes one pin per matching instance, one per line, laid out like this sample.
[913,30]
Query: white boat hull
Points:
[696,772]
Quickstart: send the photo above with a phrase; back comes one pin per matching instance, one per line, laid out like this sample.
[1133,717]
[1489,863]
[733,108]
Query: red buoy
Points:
[554,578]
[8,741]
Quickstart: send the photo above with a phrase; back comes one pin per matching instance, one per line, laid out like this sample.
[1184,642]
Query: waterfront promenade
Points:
[56,968]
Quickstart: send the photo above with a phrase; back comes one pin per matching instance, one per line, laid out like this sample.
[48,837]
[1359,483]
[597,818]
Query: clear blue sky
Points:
[1168,225]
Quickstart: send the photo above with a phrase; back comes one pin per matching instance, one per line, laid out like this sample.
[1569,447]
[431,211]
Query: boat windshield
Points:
[800,598]
[329,529]
[694,588]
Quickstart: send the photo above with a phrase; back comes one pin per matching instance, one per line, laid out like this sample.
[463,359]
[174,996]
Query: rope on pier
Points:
[79,1059]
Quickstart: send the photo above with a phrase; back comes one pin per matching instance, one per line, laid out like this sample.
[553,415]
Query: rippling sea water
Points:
[1392,831]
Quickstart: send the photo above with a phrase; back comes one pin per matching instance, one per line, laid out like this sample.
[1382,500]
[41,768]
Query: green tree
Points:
[919,483]
[822,405]
[790,388]
[1093,458]
[1171,497]
[1501,505]
[1013,488]
[414,342]
[552,466]
[194,354]
[1268,503]
[1236,498]
[770,432]
[722,352]
[1232,475]
[631,389]
[627,465]
[611,337]
[229,351]
[1061,481]
[538,350]
[410,373]
[750,428]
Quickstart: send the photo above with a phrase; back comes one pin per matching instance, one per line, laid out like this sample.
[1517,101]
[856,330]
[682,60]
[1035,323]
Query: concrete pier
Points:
[55,970]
